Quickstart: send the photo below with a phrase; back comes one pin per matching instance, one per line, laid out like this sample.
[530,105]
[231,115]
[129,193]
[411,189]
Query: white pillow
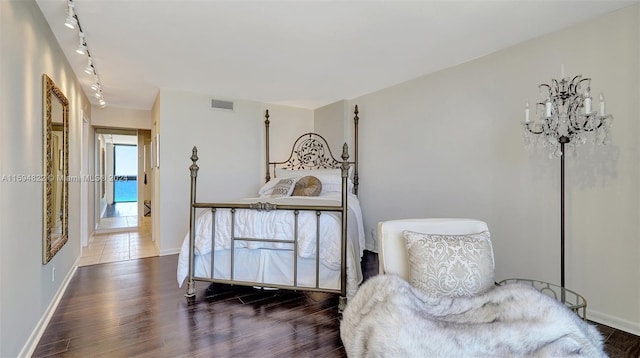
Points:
[284,187]
[331,178]
[267,188]
[450,265]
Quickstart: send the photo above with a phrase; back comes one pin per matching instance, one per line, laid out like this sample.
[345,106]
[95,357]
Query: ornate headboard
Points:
[311,151]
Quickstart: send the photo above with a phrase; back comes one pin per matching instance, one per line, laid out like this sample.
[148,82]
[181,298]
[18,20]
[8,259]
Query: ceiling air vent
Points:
[216,103]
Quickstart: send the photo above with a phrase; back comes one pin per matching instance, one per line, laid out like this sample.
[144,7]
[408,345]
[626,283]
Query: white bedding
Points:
[279,224]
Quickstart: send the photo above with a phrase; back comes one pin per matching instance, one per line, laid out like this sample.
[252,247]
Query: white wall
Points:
[87,209]
[335,122]
[121,118]
[109,172]
[450,145]
[231,150]
[23,278]
[329,122]
[100,204]
[155,175]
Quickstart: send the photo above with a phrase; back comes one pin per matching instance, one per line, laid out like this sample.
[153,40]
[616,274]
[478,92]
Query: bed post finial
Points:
[194,158]
[345,159]
[266,126]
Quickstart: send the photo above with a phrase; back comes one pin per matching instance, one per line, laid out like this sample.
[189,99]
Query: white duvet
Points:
[279,224]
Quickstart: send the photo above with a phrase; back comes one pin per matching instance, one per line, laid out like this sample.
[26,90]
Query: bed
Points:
[303,230]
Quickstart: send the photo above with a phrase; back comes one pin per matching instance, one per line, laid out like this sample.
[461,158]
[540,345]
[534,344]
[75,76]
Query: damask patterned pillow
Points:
[450,265]
[284,187]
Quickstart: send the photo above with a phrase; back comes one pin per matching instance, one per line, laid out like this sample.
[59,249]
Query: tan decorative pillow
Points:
[450,265]
[307,186]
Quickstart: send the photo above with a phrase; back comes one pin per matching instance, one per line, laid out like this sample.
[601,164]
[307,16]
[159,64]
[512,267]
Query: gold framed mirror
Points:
[55,109]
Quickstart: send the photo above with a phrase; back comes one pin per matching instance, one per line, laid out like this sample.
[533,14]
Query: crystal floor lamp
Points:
[566,118]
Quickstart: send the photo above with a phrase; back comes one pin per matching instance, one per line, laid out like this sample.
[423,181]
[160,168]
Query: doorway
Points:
[122,231]
[118,190]
[125,181]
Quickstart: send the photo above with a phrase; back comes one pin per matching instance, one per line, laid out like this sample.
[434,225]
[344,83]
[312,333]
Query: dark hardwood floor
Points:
[135,308]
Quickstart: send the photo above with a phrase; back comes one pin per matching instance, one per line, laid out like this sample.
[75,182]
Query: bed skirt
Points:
[270,267]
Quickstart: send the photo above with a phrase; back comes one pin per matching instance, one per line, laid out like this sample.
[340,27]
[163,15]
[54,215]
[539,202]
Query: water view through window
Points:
[126,173]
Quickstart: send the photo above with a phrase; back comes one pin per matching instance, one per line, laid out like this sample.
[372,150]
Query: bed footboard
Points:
[319,210]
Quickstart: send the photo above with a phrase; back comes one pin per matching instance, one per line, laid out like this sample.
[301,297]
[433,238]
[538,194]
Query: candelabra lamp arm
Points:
[574,127]
[574,85]
[540,86]
[588,80]
[572,132]
[530,127]
[574,106]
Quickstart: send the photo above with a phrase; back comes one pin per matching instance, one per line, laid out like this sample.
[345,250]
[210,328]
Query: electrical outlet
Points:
[53,274]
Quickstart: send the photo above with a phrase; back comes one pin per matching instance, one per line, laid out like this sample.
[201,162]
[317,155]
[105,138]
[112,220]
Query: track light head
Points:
[89,69]
[82,46]
[71,22]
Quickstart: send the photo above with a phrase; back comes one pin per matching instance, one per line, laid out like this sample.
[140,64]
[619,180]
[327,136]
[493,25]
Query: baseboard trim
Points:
[169,252]
[31,344]
[615,322]
[116,230]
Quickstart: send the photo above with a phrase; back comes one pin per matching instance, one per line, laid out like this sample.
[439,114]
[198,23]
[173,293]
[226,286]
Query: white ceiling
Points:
[305,54]
[122,139]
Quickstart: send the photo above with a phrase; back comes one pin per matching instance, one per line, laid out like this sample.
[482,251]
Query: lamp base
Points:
[576,302]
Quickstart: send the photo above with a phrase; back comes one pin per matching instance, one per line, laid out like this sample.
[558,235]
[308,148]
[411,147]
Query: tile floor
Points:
[119,217]
[112,246]
[122,209]
[117,223]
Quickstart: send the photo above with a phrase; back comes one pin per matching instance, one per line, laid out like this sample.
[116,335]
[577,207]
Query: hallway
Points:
[121,245]
[119,217]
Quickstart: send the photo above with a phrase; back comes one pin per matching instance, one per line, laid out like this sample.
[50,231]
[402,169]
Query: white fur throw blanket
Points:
[389,318]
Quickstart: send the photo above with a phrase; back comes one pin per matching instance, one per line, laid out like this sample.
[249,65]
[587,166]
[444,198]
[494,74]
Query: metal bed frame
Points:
[308,152]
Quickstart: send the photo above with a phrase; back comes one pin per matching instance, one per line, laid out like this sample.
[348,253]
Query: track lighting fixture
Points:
[96,84]
[89,69]
[82,46]
[71,21]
